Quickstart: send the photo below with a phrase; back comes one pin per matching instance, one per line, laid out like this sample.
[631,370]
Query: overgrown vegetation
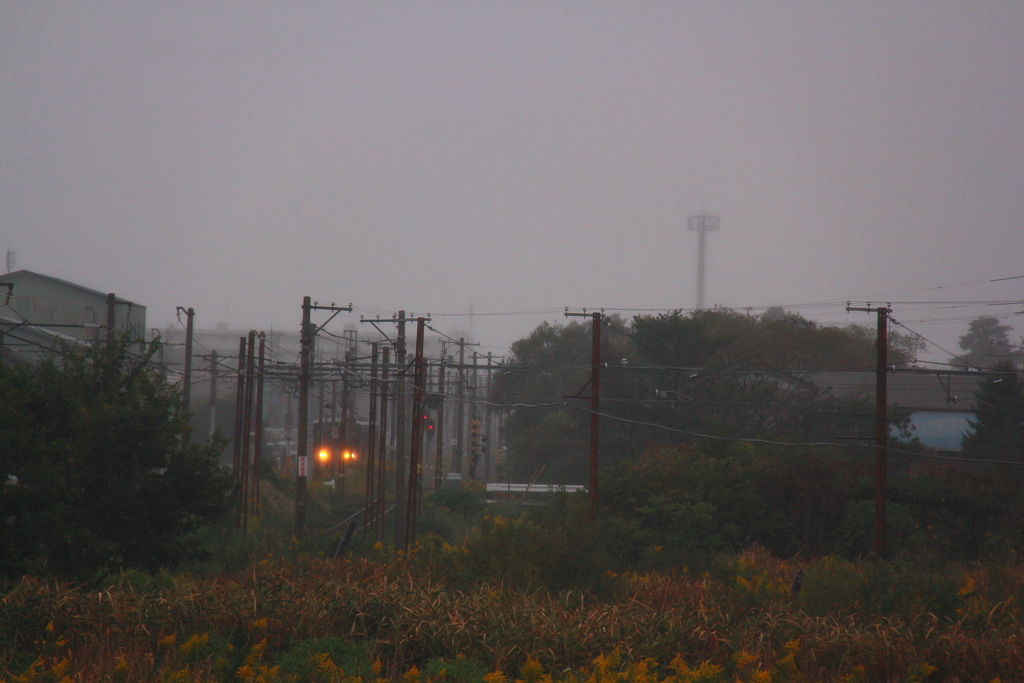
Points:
[95,474]
[708,560]
[495,592]
[327,620]
[668,377]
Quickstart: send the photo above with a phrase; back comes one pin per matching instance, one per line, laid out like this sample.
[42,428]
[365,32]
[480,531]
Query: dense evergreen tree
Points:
[96,476]
[986,345]
[997,430]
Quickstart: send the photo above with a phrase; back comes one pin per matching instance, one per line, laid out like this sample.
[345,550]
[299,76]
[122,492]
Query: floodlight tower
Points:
[703,224]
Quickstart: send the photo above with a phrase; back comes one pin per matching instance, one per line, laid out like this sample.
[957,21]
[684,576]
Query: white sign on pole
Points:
[303,465]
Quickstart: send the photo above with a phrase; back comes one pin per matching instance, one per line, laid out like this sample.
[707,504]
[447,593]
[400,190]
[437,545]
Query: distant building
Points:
[40,312]
[940,401]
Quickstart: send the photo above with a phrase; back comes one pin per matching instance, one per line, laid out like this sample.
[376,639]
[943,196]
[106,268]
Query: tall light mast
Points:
[702,224]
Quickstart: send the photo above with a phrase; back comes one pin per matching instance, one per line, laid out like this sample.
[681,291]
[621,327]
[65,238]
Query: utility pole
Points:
[474,423]
[288,432]
[305,345]
[307,335]
[400,426]
[250,387]
[236,460]
[371,442]
[439,456]
[257,453]
[213,392]
[320,433]
[488,420]
[186,386]
[595,402]
[416,437]
[111,317]
[239,396]
[383,439]
[460,415]
[163,347]
[341,430]
[881,422]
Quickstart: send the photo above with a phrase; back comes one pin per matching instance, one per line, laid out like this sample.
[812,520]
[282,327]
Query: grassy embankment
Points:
[316,619]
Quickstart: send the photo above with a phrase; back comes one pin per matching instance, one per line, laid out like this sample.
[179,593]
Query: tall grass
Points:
[319,619]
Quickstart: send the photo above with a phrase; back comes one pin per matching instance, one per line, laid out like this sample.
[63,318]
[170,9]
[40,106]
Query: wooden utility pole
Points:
[306,347]
[881,423]
[401,423]
[307,336]
[595,402]
[383,439]
[488,424]
[288,432]
[460,414]
[213,392]
[111,317]
[257,451]
[186,386]
[319,434]
[236,460]
[416,437]
[881,431]
[371,443]
[439,455]
[341,435]
[343,427]
[250,387]
[474,423]
[595,407]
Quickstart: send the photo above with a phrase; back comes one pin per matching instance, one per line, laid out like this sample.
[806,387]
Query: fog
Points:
[517,158]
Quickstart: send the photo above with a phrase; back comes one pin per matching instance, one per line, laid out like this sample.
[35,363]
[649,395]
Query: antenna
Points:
[10,259]
[702,223]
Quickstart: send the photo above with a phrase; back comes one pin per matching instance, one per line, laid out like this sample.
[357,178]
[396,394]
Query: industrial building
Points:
[41,312]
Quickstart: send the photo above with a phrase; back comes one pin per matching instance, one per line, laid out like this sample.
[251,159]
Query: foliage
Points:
[557,361]
[680,503]
[987,345]
[552,548]
[713,372]
[97,477]
[325,620]
[695,499]
[997,430]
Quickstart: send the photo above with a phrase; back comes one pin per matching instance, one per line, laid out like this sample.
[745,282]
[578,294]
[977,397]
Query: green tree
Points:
[97,476]
[711,371]
[997,430]
[553,362]
[714,496]
[986,345]
[739,375]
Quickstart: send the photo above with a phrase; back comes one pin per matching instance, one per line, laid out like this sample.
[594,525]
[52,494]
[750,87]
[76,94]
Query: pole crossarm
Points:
[315,306]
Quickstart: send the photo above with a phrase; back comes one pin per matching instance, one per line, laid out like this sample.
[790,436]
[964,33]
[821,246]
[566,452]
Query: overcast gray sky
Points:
[512,156]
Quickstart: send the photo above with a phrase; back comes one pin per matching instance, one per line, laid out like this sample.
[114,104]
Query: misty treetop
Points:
[710,371]
[987,345]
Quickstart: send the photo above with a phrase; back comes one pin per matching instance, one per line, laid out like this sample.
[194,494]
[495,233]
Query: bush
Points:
[98,472]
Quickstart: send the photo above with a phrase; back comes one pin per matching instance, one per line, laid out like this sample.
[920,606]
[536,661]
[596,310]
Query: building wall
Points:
[47,301]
